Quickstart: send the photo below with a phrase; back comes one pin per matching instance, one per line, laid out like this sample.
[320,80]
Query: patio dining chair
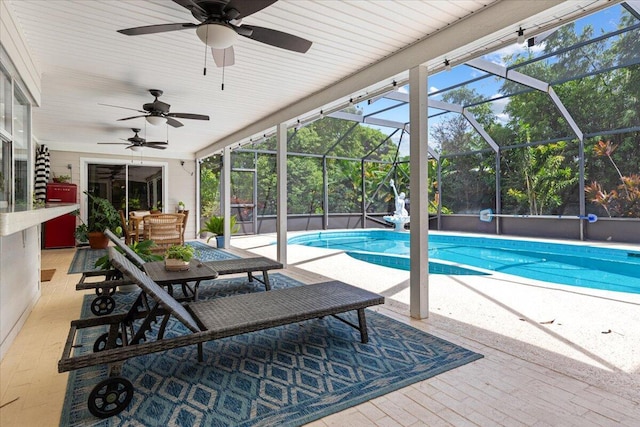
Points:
[164,229]
[128,230]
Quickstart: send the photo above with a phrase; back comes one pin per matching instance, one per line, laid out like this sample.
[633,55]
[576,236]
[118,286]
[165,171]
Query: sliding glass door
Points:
[127,187]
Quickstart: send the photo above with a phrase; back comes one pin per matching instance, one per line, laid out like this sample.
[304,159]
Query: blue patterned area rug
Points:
[284,376]
[205,252]
[85,259]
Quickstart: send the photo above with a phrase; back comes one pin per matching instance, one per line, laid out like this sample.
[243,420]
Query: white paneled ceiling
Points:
[84,62]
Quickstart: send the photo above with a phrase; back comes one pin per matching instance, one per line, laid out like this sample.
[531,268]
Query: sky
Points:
[603,22]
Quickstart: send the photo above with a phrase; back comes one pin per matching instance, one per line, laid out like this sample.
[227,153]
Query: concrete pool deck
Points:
[591,335]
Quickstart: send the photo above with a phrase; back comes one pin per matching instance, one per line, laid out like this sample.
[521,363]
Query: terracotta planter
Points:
[98,240]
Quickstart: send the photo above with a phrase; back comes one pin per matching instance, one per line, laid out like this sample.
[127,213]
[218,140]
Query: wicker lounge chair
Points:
[129,333]
[105,304]
[247,265]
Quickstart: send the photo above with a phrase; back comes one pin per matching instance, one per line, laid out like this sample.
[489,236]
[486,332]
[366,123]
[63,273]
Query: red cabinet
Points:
[59,232]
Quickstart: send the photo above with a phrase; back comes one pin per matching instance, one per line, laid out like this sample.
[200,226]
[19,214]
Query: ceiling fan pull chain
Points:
[224,60]
[206,48]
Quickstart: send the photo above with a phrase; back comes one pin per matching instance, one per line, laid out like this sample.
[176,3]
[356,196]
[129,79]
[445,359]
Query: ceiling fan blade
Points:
[152,29]
[188,116]
[279,39]
[126,108]
[247,8]
[156,143]
[132,117]
[223,57]
[156,147]
[174,122]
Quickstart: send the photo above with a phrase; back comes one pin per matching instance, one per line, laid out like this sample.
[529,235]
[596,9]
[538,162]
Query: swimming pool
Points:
[567,264]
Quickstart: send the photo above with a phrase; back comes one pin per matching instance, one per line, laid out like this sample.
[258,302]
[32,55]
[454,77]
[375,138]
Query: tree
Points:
[210,186]
[624,200]
[470,170]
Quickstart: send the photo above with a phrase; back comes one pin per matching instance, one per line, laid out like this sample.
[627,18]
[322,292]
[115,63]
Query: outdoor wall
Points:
[625,230]
[267,224]
[618,230]
[19,282]
[605,229]
[181,185]
[465,223]
[20,251]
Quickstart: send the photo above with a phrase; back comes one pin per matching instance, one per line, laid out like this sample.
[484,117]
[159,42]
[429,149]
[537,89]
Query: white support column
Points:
[197,215]
[419,270]
[226,195]
[281,166]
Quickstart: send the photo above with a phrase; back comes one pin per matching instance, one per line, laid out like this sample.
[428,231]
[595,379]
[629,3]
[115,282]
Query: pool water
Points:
[567,264]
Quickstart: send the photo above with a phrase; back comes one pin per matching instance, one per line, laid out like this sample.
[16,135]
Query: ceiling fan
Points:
[136,143]
[220,23]
[157,112]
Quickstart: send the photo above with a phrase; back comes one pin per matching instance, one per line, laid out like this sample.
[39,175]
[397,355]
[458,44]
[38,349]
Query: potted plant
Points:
[102,215]
[61,179]
[177,257]
[181,206]
[215,226]
[143,249]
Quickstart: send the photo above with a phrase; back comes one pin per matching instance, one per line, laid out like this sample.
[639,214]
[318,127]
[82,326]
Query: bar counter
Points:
[14,219]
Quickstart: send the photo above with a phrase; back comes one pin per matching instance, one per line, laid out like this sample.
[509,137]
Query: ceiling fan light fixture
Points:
[156,120]
[136,148]
[217,36]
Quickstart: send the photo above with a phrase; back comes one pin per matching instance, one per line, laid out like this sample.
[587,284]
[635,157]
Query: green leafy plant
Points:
[215,226]
[622,201]
[143,249]
[61,178]
[183,253]
[81,232]
[102,215]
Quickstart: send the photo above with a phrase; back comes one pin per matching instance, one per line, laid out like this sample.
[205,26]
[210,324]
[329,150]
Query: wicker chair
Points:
[129,232]
[164,229]
[182,223]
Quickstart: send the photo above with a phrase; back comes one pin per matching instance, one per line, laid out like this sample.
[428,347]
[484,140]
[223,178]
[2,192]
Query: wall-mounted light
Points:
[322,114]
[447,65]
[520,35]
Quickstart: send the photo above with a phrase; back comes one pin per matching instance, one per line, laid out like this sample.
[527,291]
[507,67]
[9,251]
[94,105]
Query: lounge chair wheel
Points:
[110,397]
[107,291]
[101,342]
[102,305]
